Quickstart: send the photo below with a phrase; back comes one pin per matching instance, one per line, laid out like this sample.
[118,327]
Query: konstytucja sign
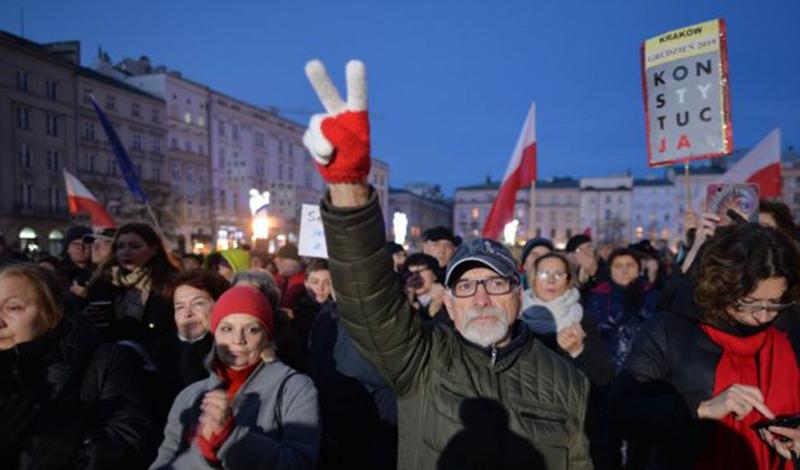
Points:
[686,94]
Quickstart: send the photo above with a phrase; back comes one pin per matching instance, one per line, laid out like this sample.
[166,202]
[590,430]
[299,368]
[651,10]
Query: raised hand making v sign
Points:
[487,366]
[339,138]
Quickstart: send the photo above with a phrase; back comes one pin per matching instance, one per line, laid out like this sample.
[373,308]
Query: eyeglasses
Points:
[494,286]
[545,275]
[757,306]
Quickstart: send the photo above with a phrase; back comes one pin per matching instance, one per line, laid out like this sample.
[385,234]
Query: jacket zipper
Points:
[494,357]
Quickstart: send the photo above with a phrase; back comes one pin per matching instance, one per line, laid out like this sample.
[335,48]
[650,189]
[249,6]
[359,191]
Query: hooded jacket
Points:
[459,405]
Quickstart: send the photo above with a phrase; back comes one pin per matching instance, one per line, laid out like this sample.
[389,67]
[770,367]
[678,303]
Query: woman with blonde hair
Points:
[66,400]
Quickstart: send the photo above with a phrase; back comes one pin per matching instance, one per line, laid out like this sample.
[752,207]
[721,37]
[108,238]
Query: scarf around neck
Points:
[139,279]
[553,316]
[765,360]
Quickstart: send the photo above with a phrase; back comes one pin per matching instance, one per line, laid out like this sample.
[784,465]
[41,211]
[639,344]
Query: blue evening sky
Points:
[450,81]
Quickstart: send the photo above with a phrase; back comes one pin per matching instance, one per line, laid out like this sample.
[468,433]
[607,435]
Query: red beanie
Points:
[243,299]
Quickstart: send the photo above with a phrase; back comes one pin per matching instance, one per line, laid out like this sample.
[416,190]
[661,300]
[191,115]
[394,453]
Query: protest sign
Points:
[312,234]
[686,94]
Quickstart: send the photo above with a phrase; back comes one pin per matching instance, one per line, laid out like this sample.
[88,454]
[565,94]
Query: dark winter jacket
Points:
[460,405]
[66,401]
[619,313]
[358,407]
[669,371]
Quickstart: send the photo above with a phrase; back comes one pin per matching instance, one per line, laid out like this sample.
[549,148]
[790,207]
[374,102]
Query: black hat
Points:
[421,259]
[487,252]
[636,255]
[106,234]
[288,251]
[440,233]
[75,232]
[393,248]
[645,248]
[576,241]
[533,243]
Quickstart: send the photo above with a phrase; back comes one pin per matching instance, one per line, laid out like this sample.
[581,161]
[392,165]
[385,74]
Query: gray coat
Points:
[254,442]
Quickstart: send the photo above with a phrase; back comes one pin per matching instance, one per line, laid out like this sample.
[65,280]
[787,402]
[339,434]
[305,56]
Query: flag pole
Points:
[688,186]
[155,220]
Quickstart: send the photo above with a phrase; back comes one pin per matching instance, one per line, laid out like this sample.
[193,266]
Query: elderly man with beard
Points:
[484,394]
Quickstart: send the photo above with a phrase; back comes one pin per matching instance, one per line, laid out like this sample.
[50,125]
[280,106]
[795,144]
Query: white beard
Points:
[485,333]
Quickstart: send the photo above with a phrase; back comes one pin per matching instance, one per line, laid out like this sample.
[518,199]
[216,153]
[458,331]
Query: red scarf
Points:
[765,360]
[234,379]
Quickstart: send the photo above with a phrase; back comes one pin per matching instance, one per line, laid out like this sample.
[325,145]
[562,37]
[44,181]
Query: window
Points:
[222,199]
[173,143]
[569,233]
[138,170]
[190,173]
[22,80]
[187,146]
[89,130]
[53,160]
[291,173]
[608,214]
[155,173]
[187,117]
[111,102]
[87,94]
[259,139]
[280,147]
[155,116]
[259,167]
[156,145]
[221,159]
[235,132]
[136,141]
[23,117]
[51,89]
[476,213]
[89,166]
[136,110]
[51,122]
[553,216]
[54,197]
[24,156]
[221,127]
[280,171]
[201,121]
[201,176]
[201,150]
[552,234]
[176,170]
[26,195]
[111,167]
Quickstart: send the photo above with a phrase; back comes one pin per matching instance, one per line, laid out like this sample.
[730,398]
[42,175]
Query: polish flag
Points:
[520,174]
[80,200]
[761,165]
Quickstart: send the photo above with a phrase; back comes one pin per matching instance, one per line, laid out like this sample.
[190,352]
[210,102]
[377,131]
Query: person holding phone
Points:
[701,378]
[420,274]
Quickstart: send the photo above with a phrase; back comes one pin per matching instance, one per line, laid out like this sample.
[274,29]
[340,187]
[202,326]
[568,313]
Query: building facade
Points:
[606,208]
[472,205]
[422,211]
[556,210]
[653,210]
[37,141]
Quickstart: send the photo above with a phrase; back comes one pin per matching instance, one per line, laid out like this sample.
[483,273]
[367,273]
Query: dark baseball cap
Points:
[490,253]
[106,234]
[576,241]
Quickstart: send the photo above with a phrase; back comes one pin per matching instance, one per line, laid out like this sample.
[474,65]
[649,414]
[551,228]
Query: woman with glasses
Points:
[700,380]
[552,310]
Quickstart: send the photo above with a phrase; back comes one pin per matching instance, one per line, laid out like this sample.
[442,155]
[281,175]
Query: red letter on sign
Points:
[683,142]
[663,145]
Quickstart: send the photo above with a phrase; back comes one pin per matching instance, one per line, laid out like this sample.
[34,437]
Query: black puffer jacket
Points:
[669,371]
[69,402]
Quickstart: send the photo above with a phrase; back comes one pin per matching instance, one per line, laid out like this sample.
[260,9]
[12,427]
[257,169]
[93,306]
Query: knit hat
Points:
[288,251]
[247,300]
[440,233]
[533,243]
[75,232]
[393,248]
[106,234]
[576,241]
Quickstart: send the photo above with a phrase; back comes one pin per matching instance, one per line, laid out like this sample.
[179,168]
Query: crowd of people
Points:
[464,355]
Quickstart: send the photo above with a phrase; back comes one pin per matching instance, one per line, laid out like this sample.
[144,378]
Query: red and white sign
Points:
[520,174]
[81,200]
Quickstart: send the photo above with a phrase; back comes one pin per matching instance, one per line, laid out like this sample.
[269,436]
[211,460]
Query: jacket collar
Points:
[501,357]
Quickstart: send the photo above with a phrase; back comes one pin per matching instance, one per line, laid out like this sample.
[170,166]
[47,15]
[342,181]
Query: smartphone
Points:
[791,421]
[742,198]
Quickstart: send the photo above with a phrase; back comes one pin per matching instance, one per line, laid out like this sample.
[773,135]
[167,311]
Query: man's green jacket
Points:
[461,406]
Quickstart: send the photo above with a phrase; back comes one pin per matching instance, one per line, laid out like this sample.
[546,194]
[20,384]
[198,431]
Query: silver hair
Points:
[263,281]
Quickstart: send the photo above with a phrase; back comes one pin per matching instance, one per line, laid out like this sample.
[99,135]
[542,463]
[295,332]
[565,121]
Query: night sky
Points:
[451,81]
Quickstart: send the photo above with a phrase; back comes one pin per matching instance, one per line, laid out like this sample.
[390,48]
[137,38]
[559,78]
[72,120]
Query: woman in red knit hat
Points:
[253,411]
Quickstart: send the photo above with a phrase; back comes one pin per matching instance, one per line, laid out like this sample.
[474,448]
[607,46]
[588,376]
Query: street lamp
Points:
[399,227]
[510,232]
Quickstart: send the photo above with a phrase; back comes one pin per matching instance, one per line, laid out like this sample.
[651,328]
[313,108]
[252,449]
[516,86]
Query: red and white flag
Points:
[761,165]
[521,173]
[81,200]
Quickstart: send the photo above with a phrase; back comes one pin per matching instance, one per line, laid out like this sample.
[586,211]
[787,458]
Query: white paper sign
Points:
[312,235]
